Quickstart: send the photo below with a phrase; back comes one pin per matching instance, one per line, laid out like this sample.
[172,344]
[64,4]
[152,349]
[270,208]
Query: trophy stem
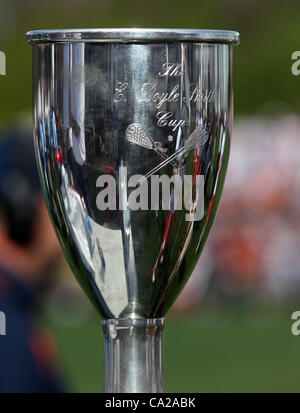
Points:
[133,355]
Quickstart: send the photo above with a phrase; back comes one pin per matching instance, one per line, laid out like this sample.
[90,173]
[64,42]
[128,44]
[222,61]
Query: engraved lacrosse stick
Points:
[197,139]
[136,133]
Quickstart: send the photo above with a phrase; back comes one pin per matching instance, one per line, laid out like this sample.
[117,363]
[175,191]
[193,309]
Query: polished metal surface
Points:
[122,108]
[133,356]
[133,35]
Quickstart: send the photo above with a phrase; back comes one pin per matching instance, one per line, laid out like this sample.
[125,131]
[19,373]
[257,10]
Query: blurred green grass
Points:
[216,352]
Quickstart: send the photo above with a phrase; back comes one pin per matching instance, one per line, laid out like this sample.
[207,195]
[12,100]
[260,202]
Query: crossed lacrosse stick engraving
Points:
[136,134]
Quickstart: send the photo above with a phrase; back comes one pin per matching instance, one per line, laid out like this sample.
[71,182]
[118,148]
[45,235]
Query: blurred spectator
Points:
[253,249]
[29,252]
[257,233]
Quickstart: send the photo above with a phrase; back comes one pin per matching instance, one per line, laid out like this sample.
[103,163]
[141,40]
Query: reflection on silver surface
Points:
[105,106]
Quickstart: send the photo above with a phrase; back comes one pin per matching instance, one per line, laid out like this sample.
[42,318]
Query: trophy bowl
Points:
[132,135]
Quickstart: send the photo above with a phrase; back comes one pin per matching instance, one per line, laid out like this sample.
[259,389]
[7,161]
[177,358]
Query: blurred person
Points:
[29,252]
[254,245]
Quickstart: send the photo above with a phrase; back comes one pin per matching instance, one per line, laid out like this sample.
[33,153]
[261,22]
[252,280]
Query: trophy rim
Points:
[133,35]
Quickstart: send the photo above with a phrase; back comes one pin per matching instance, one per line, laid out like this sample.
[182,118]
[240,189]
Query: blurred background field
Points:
[231,328]
[236,351]
[269,34]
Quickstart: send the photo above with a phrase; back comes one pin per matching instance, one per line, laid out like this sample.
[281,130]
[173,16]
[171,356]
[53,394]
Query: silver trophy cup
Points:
[118,112]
